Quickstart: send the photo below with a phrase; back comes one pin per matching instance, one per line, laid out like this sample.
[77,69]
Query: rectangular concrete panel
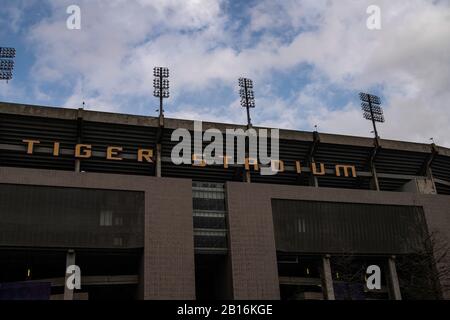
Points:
[169,241]
[252,244]
[167,270]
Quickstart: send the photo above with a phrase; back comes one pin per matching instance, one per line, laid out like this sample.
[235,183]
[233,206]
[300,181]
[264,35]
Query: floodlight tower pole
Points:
[161,87]
[7,56]
[247,97]
[161,110]
[160,128]
[248,176]
[247,101]
[249,120]
[372,110]
[373,120]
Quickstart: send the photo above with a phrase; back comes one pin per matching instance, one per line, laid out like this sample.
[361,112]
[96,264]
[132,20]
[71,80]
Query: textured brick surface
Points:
[168,264]
[169,249]
[252,244]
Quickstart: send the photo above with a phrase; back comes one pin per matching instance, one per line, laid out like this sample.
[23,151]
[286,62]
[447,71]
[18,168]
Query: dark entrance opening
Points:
[212,277]
[39,273]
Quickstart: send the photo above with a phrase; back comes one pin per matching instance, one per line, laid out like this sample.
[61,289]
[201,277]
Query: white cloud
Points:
[409,58]
[121,41]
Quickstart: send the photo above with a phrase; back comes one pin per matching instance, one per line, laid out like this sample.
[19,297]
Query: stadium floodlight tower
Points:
[247,97]
[372,110]
[161,86]
[7,56]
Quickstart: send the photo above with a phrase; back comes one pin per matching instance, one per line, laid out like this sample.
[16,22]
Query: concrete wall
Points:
[420,185]
[168,263]
[252,244]
[437,214]
[169,241]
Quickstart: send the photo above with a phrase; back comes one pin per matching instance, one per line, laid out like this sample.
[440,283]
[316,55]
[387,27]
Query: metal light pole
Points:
[161,91]
[7,56]
[247,101]
[161,86]
[247,97]
[372,110]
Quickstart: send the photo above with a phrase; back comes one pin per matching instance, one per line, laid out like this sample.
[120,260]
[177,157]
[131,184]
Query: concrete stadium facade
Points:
[141,227]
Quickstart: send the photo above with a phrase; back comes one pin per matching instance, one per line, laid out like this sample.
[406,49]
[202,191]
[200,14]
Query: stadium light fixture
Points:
[247,97]
[372,110]
[161,86]
[7,56]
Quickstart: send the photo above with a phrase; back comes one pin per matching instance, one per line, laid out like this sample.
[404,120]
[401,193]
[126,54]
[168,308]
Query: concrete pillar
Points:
[158,160]
[77,165]
[70,260]
[251,242]
[248,177]
[394,287]
[159,138]
[422,185]
[79,120]
[168,261]
[327,279]
[314,181]
[374,184]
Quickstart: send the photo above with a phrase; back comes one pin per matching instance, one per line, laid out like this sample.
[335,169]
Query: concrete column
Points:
[251,241]
[79,120]
[327,279]
[394,287]
[70,260]
[168,262]
[158,160]
[421,185]
[375,185]
[314,181]
[77,165]
[248,177]
[159,138]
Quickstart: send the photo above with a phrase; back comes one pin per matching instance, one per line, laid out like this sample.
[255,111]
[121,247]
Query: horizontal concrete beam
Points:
[94,280]
[301,281]
[405,146]
[108,117]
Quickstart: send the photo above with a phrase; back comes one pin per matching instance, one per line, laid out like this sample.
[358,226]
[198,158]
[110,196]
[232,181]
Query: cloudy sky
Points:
[308,59]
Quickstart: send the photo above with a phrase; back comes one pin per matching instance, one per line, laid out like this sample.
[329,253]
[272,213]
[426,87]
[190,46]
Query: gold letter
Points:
[252,161]
[30,145]
[345,167]
[111,152]
[314,169]
[56,149]
[277,165]
[87,153]
[146,154]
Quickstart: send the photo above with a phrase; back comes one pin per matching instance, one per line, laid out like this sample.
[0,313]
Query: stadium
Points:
[100,190]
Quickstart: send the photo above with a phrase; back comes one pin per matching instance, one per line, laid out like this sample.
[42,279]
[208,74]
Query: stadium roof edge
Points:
[128,119]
